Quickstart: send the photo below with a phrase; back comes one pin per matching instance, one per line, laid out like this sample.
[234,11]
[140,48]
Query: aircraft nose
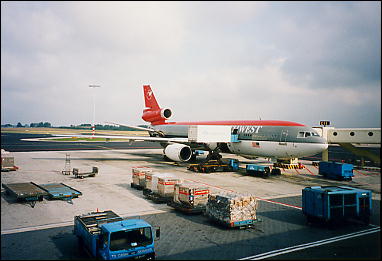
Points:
[324,146]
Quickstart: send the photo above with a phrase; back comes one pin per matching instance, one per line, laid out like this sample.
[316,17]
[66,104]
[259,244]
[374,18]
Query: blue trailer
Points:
[60,191]
[107,236]
[335,170]
[257,170]
[333,204]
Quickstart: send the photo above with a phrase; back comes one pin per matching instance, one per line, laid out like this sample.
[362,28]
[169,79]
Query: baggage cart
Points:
[60,191]
[80,175]
[242,224]
[190,209]
[29,192]
[157,198]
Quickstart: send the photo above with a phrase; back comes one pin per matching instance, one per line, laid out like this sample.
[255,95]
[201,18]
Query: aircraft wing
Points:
[133,127]
[129,138]
[149,130]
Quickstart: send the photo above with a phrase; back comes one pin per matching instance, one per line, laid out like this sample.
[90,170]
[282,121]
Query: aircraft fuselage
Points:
[278,139]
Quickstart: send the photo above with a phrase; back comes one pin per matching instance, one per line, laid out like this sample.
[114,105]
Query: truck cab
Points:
[127,239]
[107,236]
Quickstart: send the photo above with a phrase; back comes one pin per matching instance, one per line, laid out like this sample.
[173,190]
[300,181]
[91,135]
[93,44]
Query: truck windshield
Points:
[130,239]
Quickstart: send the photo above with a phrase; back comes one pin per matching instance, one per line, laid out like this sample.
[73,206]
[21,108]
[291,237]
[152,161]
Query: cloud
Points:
[204,60]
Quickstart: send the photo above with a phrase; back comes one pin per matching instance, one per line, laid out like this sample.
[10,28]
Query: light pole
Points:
[93,124]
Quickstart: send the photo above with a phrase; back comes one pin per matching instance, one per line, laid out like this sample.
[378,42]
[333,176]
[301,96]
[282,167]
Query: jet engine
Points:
[178,152]
[156,116]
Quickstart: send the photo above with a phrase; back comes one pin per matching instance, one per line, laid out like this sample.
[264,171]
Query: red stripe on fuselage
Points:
[237,123]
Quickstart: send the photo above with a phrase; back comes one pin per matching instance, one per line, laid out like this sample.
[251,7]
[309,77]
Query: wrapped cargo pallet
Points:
[191,194]
[139,175]
[231,208]
[166,186]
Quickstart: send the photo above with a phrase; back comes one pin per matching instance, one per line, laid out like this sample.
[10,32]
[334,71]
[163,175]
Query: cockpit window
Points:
[305,134]
[301,134]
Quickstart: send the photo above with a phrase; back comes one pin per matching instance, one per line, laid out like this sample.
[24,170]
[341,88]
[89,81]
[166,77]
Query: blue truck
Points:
[107,236]
[335,170]
[334,204]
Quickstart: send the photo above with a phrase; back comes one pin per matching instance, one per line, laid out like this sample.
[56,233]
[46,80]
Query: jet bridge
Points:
[345,137]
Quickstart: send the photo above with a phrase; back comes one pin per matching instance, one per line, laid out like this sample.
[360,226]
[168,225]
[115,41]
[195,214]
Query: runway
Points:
[281,233]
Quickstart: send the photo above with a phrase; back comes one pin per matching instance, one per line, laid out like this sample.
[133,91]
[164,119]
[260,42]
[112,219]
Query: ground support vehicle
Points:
[107,236]
[336,170]
[275,171]
[258,170]
[81,175]
[332,204]
[215,165]
[60,191]
[29,192]
[288,165]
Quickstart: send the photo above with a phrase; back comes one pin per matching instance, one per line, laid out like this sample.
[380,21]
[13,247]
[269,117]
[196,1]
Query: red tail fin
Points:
[150,101]
[153,113]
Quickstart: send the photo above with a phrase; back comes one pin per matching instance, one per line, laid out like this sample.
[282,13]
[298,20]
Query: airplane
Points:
[273,139]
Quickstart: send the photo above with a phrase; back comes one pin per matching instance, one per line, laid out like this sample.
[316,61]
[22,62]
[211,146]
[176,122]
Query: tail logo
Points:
[149,95]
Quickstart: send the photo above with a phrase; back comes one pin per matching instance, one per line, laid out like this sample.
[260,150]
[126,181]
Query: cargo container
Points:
[336,170]
[166,186]
[107,236]
[190,197]
[162,187]
[138,176]
[209,133]
[333,204]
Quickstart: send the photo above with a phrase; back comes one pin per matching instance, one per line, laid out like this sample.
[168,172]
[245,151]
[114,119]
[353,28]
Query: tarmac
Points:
[281,233]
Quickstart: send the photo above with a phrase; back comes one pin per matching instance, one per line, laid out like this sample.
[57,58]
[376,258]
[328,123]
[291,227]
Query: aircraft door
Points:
[283,137]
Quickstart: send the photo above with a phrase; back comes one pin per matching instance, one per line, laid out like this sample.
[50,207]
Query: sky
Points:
[295,61]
